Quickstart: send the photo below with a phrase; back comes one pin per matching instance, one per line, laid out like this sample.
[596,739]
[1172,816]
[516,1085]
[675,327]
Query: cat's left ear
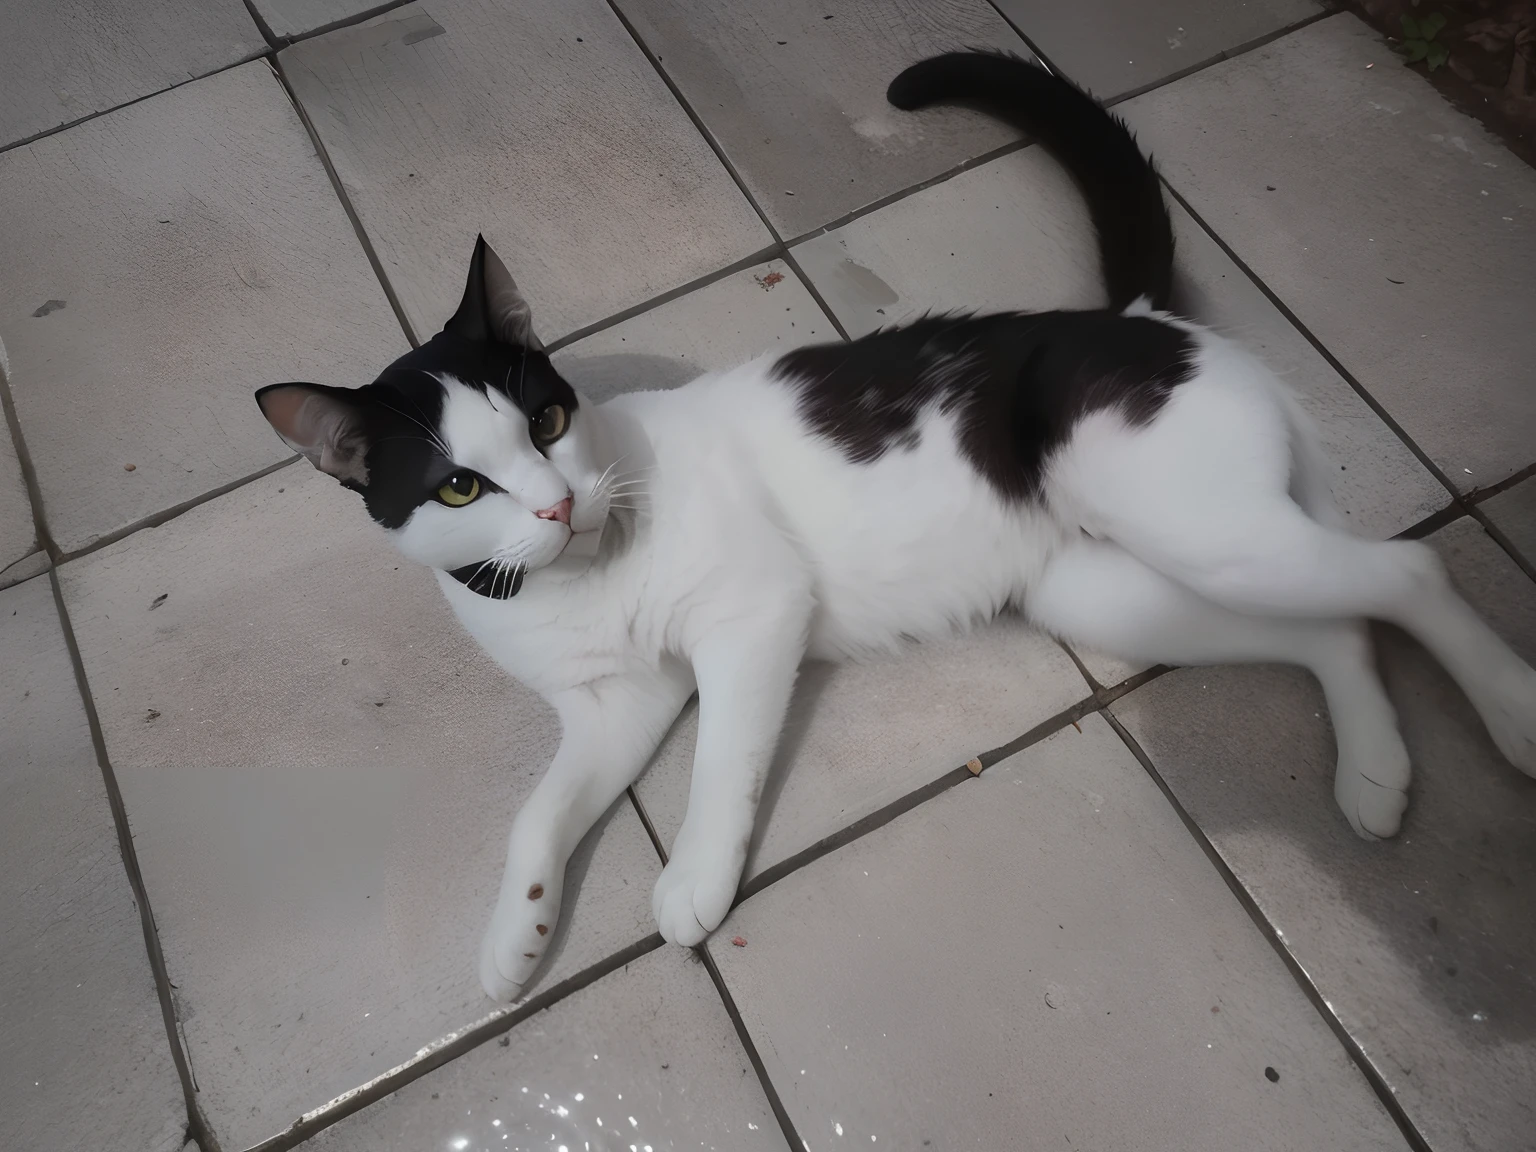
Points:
[493,308]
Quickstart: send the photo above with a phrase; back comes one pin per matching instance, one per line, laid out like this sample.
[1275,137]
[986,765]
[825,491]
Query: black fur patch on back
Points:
[1016,384]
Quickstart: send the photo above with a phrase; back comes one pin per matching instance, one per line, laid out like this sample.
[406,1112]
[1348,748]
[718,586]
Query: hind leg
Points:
[1099,595]
[1200,495]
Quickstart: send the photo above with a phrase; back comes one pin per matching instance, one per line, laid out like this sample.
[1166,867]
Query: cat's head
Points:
[475,454]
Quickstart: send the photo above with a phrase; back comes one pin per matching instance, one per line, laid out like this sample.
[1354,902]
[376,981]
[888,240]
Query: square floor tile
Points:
[1117,46]
[159,263]
[540,124]
[65,59]
[87,1060]
[863,735]
[320,768]
[1514,513]
[1422,944]
[645,1056]
[1392,225]
[1038,958]
[734,320]
[794,93]
[18,536]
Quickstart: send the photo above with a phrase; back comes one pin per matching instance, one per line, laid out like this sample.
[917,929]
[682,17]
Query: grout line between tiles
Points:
[451,1047]
[40,534]
[780,1113]
[166,515]
[1478,495]
[912,189]
[1303,980]
[261,23]
[779,248]
[1221,57]
[742,1035]
[286,40]
[1504,542]
[36,136]
[197,1123]
[1333,361]
[761,256]
[346,201]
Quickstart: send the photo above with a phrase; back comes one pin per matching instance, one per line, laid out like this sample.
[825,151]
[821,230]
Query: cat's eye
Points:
[549,425]
[460,489]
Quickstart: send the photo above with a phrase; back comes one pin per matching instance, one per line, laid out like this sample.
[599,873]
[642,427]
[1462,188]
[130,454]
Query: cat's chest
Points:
[554,640]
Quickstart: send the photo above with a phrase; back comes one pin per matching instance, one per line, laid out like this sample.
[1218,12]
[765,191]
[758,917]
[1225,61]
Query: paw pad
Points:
[542,929]
[536,891]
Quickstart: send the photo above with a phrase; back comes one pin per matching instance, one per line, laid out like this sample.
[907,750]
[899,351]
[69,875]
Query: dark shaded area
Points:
[1491,71]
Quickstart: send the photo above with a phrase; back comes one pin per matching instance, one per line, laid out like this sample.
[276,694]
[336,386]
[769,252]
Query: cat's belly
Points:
[915,544]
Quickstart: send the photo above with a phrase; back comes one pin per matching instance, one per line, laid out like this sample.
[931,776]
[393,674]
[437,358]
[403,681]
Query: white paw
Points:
[694,892]
[1508,708]
[1372,789]
[520,929]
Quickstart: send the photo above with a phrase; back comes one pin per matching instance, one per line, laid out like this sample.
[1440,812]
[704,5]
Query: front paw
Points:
[514,943]
[694,892]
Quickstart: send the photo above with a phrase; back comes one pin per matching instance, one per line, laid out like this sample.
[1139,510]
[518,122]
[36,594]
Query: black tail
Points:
[1119,183]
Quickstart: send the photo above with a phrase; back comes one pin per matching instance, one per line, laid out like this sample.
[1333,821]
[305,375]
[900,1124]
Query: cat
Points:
[1129,480]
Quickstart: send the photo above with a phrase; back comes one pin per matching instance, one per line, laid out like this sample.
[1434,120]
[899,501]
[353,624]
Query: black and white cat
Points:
[1132,482]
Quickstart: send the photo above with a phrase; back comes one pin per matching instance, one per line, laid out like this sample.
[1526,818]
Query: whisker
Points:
[599,482]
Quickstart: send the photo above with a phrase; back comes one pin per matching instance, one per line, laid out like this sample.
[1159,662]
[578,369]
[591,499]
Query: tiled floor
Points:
[1143,926]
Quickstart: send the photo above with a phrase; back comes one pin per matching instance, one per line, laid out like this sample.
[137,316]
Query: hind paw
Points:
[1508,708]
[1371,789]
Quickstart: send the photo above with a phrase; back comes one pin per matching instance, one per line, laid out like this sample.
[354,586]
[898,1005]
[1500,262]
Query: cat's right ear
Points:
[325,425]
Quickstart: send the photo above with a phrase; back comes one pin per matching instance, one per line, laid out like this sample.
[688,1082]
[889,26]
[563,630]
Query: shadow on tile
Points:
[1420,944]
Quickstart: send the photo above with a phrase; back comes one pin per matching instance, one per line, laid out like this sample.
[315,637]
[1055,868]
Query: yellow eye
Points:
[549,425]
[462,488]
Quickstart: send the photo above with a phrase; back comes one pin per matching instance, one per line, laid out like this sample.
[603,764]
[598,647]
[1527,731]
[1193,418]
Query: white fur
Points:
[717,543]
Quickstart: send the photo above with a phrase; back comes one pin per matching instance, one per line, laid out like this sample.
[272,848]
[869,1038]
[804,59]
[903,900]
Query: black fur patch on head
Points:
[404,411]
[1016,384]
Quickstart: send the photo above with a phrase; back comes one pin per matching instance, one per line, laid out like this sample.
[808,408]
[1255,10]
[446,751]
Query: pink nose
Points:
[560,512]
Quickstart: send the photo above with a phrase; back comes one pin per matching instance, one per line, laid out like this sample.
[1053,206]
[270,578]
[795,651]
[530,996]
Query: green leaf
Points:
[1410,27]
[1415,50]
[1438,54]
[1431,25]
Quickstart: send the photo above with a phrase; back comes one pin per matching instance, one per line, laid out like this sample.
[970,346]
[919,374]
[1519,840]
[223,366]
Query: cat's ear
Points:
[493,308]
[326,425]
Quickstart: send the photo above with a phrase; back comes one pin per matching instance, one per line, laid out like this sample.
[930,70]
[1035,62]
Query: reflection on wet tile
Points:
[1038,958]
[1422,945]
[644,1058]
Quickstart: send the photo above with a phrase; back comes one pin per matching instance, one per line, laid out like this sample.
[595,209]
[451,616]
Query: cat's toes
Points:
[1509,711]
[1373,799]
[691,898]
[514,943]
